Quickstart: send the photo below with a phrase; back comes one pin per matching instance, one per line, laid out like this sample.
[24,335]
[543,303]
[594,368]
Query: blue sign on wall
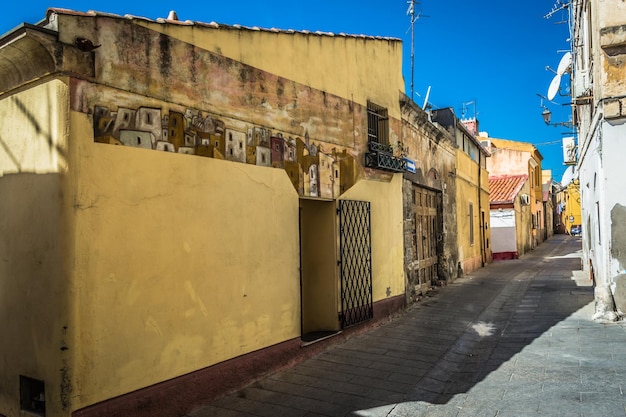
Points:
[410,165]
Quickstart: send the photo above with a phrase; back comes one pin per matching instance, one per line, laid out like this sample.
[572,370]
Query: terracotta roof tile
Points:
[504,188]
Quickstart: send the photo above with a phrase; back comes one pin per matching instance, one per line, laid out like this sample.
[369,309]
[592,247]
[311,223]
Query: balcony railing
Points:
[380,156]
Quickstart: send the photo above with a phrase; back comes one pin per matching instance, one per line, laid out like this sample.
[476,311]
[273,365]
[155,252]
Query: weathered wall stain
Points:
[247,115]
[618,234]
[152,91]
[618,252]
[66,387]
[164,54]
[434,154]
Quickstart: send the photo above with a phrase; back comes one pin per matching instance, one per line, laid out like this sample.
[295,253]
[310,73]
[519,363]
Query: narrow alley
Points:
[512,339]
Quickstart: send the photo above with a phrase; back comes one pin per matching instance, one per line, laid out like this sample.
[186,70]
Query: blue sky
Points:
[493,54]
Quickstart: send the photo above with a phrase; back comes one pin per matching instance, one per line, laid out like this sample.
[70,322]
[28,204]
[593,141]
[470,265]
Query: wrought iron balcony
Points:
[380,156]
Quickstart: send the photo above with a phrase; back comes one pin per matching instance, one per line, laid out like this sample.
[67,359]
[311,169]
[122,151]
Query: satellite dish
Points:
[554,86]
[566,61]
[568,176]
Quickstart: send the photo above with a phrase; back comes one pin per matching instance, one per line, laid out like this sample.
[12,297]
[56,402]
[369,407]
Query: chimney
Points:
[471,125]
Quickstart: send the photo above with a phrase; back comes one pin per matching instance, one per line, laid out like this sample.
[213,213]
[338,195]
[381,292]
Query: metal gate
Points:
[355,262]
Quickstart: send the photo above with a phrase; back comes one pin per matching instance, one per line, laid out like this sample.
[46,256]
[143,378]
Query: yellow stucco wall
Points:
[34,235]
[523,223]
[177,264]
[387,233]
[572,214]
[484,206]
[33,131]
[468,192]
[143,266]
[363,61]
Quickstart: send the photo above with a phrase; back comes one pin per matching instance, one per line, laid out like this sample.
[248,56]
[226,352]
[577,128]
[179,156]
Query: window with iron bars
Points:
[377,124]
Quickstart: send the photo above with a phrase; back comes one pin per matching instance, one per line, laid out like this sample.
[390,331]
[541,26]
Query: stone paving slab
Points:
[512,339]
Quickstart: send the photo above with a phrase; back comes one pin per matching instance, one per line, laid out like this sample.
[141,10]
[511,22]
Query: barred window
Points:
[377,124]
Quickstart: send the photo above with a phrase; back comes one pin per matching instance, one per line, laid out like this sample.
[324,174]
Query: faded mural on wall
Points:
[314,170]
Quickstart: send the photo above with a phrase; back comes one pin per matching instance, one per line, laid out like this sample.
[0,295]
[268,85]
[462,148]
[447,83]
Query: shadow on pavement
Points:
[542,294]
[443,346]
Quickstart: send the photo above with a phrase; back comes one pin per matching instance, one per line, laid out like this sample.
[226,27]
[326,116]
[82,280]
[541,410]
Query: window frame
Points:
[377,124]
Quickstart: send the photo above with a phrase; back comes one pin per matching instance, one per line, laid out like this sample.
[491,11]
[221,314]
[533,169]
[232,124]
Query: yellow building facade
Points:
[472,210]
[471,201]
[568,207]
[179,194]
[472,213]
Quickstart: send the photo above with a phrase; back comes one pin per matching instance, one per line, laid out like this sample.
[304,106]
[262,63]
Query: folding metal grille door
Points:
[355,262]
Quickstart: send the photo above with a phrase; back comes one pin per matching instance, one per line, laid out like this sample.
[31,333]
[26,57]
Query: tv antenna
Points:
[559,5]
[465,107]
[414,18]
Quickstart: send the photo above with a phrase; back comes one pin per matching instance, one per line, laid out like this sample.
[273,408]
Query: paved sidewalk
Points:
[512,339]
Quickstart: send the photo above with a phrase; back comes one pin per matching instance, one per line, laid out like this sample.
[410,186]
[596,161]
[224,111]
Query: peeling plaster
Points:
[618,235]
[618,252]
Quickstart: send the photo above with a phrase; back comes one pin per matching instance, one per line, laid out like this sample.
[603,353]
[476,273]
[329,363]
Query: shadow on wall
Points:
[55,153]
[34,292]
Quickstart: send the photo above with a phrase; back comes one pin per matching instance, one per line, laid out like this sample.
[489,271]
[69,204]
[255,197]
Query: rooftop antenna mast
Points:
[559,5]
[465,106]
[414,17]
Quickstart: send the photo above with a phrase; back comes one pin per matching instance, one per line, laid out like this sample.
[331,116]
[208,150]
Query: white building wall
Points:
[503,235]
[592,180]
[614,227]
[599,95]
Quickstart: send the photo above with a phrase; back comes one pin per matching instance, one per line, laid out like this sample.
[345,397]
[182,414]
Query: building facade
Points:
[569,207]
[510,211]
[599,106]
[194,202]
[549,202]
[521,158]
[431,253]
[472,192]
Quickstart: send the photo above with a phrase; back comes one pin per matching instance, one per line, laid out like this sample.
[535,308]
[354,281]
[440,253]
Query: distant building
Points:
[509,204]
[510,157]
[549,192]
[568,198]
